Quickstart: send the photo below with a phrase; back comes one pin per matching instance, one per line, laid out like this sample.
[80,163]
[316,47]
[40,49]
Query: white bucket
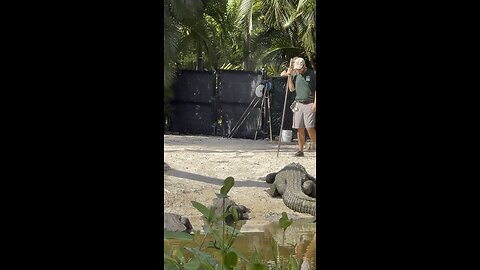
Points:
[286,135]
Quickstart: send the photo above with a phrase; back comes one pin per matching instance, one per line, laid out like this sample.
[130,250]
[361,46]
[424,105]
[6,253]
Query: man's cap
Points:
[299,63]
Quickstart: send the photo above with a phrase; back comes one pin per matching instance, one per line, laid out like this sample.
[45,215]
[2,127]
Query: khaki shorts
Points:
[304,117]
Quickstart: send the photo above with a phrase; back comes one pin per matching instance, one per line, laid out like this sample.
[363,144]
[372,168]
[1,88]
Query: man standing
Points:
[302,81]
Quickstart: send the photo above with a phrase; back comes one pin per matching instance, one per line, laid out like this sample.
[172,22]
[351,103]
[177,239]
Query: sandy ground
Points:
[200,164]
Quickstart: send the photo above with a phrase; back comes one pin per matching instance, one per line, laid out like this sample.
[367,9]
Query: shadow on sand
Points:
[216,181]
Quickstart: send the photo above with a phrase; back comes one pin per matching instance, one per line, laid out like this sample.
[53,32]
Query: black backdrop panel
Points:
[231,114]
[278,100]
[238,86]
[194,86]
[193,118]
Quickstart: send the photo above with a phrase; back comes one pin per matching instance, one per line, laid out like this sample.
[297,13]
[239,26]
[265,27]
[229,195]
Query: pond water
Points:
[299,241]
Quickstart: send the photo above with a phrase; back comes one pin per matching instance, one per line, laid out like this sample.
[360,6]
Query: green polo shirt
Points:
[305,86]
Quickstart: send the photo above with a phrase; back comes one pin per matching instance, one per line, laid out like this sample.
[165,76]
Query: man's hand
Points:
[314,107]
[290,67]
[289,71]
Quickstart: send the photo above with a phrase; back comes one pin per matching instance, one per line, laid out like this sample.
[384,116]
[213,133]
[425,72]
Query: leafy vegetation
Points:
[236,35]
[223,235]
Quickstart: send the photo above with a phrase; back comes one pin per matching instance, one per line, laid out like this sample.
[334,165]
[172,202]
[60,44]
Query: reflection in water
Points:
[299,240]
[300,230]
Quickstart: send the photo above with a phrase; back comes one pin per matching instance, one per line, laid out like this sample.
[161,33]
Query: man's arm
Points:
[315,102]
[291,85]
[290,73]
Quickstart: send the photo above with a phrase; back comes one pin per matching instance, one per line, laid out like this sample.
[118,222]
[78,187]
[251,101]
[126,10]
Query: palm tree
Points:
[303,20]
[191,31]
[177,14]
[188,26]
[278,30]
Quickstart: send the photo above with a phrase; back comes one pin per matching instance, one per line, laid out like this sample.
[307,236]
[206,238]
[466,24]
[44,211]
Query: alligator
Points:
[176,223]
[293,183]
[229,205]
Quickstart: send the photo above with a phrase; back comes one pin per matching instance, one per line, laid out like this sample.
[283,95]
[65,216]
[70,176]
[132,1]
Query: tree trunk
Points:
[199,57]
[246,52]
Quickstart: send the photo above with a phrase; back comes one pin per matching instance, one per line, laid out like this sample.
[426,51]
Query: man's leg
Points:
[312,133]
[301,138]
[300,126]
[310,123]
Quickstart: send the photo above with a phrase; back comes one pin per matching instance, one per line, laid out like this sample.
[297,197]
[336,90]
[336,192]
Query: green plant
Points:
[292,263]
[223,235]
[223,238]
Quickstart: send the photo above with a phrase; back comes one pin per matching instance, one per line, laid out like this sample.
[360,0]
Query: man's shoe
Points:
[299,154]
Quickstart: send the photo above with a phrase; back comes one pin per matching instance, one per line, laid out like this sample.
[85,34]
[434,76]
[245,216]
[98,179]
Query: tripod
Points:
[262,93]
[265,109]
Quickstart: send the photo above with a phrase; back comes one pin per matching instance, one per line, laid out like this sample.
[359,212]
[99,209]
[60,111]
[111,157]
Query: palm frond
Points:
[277,53]
[185,10]
[301,4]
[245,15]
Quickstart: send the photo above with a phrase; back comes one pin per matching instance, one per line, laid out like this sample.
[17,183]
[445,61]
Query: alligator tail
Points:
[299,203]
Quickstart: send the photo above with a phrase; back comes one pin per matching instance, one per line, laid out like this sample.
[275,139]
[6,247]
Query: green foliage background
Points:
[236,35]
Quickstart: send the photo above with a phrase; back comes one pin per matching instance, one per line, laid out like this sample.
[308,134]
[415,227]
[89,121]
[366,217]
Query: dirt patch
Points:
[199,164]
